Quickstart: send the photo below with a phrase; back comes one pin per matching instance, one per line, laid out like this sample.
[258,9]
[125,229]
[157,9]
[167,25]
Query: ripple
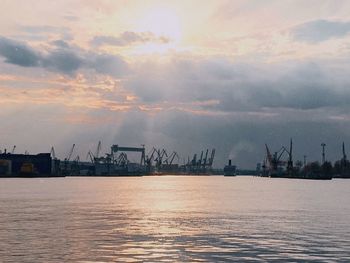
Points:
[171,219]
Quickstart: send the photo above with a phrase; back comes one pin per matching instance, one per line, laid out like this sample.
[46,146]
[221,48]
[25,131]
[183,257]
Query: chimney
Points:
[229,162]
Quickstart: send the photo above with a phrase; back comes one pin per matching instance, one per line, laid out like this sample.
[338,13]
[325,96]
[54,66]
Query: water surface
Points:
[167,219]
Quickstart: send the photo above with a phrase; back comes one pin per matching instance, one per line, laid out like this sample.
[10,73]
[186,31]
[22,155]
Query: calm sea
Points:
[167,219]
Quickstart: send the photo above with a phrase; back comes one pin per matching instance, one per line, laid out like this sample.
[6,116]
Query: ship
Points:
[230,170]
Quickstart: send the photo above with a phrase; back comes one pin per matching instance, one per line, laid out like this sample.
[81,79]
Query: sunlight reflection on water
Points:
[166,219]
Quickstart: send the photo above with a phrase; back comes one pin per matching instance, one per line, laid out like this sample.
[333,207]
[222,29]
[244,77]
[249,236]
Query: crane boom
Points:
[71,152]
[282,150]
[205,158]
[90,155]
[200,159]
[212,157]
[173,157]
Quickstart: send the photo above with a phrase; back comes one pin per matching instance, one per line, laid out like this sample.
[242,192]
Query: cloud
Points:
[18,53]
[127,38]
[238,87]
[60,43]
[71,18]
[44,31]
[108,64]
[62,58]
[256,104]
[320,30]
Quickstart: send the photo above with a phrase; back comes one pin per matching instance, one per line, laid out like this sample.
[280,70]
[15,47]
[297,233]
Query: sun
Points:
[163,22]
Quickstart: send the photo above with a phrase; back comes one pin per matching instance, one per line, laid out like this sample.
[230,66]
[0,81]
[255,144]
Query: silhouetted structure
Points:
[26,165]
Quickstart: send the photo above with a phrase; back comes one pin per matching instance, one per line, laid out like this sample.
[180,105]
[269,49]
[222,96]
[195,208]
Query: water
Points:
[167,219]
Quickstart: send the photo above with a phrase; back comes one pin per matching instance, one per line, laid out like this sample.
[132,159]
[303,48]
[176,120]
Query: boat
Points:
[230,170]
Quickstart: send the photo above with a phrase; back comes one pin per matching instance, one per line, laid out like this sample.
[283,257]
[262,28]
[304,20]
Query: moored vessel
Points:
[230,170]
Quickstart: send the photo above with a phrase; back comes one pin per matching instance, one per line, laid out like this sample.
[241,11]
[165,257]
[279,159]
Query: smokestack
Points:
[229,162]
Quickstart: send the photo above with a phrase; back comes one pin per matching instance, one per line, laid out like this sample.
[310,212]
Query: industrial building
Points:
[27,165]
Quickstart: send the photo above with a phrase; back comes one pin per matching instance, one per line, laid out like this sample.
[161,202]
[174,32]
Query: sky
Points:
[181,75]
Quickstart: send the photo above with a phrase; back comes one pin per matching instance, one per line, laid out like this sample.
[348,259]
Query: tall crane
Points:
[122,159]
[164,153]
[90,156]
[274,160]
[70,153]
[149,157]
[290,160]
[200,159]
[205,158]
[161,154]
[171,158]
[211,160]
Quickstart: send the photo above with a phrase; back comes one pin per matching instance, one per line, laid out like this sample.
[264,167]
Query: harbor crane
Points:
[211,160]
[66,161]
[122,159]
[275,160]
[90,156]
[171,158]
[150,156]
[70,153]
[205,159]
[200,159]
[159,159]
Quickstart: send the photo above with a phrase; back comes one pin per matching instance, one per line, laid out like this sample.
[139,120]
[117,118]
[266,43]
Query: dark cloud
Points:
[243,139]
[61,57]
[60,43]
[256,104]
[62,60]
[240,138]
[320,30]
[241,87]
[127,38]
[108,64]
[18,53]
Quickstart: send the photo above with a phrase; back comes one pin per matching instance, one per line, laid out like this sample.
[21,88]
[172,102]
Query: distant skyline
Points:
[180,75]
